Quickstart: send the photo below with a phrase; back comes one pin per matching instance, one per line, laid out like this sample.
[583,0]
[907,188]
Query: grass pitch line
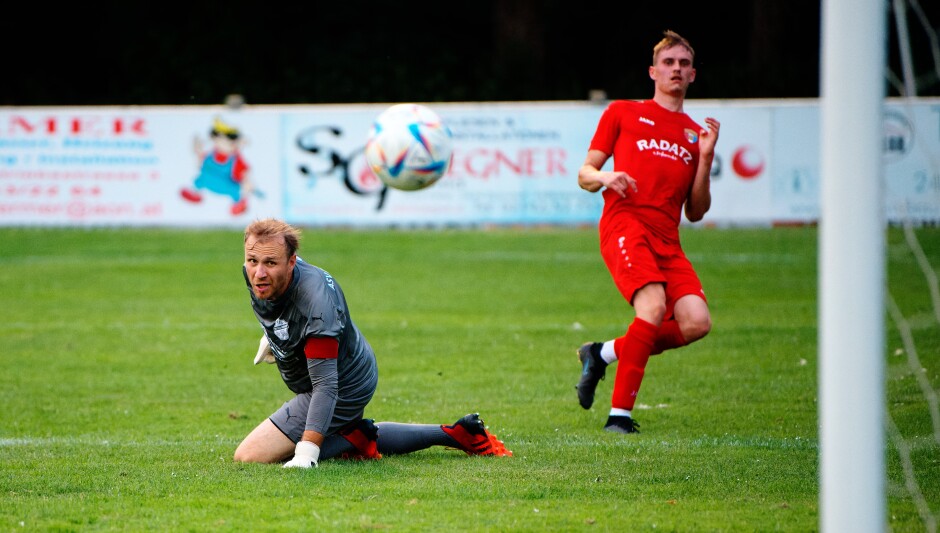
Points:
[748,258]
[73,441]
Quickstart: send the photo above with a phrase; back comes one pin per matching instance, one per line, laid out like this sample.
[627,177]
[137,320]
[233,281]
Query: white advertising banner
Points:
[513,164]
[795,166]
[63,166]
[912,160]
[741,181]
[911,156]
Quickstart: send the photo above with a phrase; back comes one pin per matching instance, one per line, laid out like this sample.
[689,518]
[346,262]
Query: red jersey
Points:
[659,149]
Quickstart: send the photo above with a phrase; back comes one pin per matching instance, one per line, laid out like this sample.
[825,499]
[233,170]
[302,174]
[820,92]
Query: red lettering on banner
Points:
[22,124]
[91,126]
[555,161]
[488,163]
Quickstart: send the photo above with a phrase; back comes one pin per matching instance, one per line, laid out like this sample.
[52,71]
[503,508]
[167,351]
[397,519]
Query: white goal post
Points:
[852,268]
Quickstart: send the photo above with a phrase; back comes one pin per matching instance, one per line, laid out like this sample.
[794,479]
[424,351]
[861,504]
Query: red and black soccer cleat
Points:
[472,437]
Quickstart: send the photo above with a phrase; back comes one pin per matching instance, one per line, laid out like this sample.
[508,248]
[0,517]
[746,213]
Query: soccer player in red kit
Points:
[662,163]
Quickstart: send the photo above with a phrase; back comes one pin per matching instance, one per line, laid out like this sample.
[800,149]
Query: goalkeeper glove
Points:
[264,351]
[305,455]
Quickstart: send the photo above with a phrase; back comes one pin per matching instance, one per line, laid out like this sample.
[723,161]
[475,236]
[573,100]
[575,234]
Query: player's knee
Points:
[697,328]
[651,310]
[657,311]
[242,457]
[650,303]
[245,454]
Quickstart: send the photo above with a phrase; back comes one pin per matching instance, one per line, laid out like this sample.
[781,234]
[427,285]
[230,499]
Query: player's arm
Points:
[321,355]
[699,200]
[592,179]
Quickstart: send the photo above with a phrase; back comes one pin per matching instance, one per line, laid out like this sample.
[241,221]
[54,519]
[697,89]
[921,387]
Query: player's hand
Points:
[708,137]
[306,455]
[619,182]
[264,351]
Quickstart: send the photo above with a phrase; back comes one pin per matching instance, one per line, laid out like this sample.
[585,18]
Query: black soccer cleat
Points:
[621,424]
[593,369]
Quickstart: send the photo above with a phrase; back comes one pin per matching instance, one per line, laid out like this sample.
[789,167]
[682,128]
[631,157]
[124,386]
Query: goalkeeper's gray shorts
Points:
[291,418]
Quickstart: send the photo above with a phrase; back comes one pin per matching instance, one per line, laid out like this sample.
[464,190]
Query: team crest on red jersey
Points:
[691,135]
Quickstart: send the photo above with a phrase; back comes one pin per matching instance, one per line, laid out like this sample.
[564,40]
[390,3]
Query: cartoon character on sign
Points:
[223,170]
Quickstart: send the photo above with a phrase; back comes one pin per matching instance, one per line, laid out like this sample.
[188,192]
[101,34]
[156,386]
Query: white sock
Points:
[607,352]
[619,412]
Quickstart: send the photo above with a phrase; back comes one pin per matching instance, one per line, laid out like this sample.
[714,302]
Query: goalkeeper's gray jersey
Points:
[314,306]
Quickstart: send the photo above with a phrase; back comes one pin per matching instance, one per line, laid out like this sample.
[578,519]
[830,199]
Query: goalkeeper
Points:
[327,363]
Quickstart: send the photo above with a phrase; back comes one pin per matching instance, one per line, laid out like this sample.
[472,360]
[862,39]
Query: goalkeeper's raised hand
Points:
[264,351]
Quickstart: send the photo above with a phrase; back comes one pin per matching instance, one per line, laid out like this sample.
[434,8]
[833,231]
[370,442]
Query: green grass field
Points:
[127,382]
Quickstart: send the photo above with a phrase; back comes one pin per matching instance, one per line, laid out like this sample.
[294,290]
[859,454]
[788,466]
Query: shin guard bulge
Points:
[668,336]
[633,351]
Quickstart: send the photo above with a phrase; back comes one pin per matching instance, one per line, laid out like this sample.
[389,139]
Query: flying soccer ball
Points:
[409,148]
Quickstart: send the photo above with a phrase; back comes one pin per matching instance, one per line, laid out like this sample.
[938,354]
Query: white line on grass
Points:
[744,258]
[78,441]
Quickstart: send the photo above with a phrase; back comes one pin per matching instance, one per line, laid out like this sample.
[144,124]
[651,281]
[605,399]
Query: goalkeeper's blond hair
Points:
[272,228]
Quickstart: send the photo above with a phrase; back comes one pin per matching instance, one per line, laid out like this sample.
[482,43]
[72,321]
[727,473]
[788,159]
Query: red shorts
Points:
[636,259]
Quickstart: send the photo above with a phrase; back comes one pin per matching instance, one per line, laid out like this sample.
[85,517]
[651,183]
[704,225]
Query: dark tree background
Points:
[147,53]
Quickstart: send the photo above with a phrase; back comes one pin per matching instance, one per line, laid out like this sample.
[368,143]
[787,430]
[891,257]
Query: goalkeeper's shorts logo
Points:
[280,329]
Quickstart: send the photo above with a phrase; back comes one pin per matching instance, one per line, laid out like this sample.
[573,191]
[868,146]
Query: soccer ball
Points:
[409,148]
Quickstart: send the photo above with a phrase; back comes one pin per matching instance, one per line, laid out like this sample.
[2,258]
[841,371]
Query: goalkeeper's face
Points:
[269,267]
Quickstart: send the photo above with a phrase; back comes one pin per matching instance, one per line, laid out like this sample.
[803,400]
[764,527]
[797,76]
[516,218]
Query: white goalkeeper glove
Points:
[264,351]
[306,455]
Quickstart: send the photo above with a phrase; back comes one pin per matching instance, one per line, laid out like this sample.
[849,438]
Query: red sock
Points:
[669,336]
[633,351]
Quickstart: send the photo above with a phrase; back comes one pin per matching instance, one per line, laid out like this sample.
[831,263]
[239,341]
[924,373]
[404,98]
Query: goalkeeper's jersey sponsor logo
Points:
[280,329]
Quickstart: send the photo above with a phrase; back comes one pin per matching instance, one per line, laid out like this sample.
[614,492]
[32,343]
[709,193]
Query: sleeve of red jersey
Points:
[321,348]
[608,129]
